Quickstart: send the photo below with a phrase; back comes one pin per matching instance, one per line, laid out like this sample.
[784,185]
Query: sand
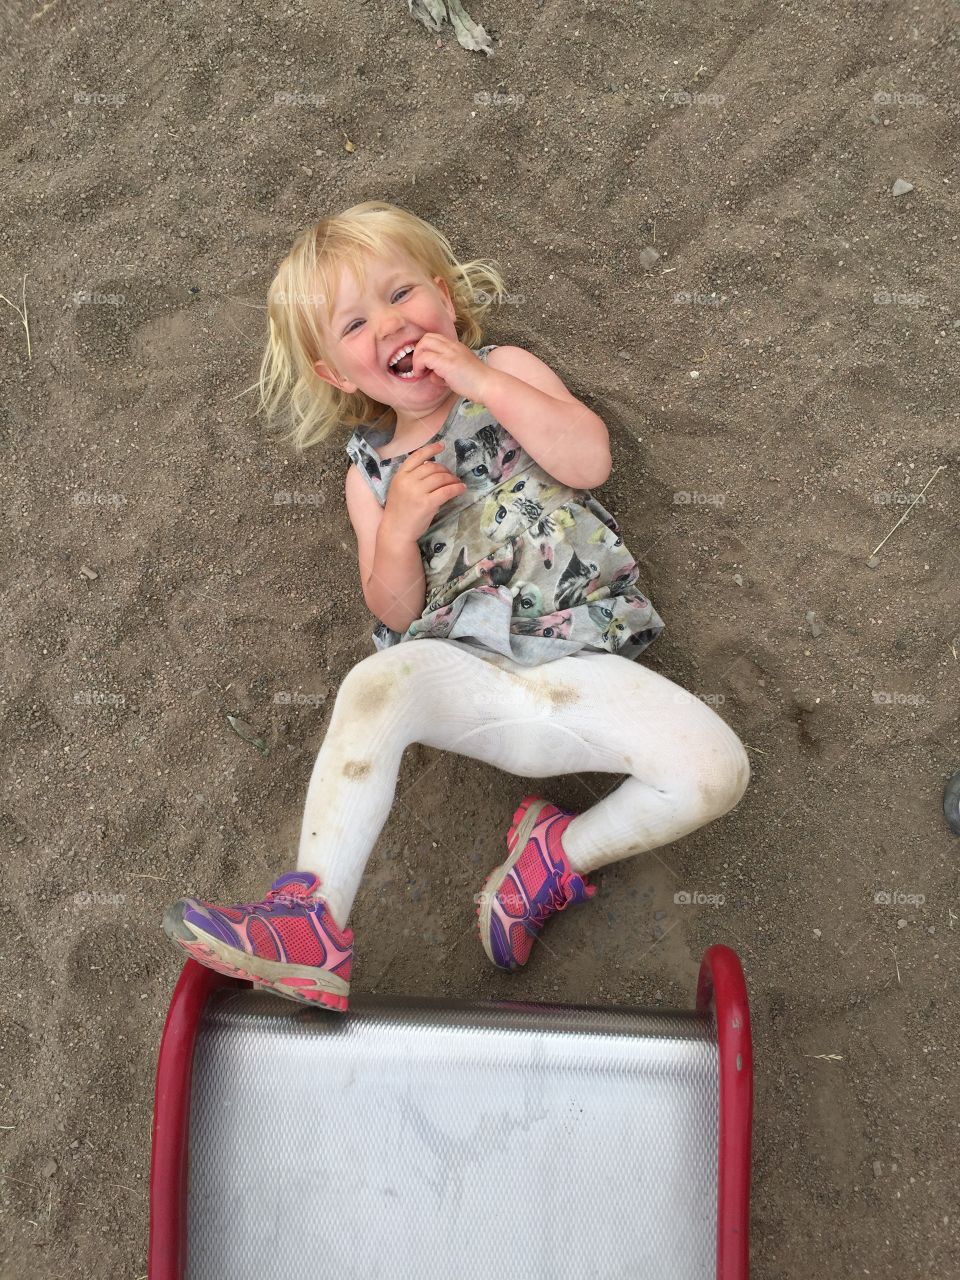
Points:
[788,362]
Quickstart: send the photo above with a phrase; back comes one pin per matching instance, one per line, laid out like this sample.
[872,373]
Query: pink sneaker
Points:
[534,883]
[288,943]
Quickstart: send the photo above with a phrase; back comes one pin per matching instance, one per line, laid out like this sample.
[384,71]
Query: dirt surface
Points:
[157,165]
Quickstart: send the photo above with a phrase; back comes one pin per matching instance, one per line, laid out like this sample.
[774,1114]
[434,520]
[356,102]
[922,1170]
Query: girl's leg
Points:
[687,766]
[584,713]
[598,712]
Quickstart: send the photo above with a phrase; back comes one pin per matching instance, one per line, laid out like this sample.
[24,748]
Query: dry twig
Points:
[22,314]
[942,467]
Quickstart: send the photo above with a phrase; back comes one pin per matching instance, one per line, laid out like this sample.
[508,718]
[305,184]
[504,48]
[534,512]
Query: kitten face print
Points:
[486,459]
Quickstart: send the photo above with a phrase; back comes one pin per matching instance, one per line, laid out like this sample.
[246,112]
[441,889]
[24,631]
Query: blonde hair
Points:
[307,278]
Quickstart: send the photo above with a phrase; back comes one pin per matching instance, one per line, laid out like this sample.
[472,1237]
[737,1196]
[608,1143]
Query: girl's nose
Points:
[388,325]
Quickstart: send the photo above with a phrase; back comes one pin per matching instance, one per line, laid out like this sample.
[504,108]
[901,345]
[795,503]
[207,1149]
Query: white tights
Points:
[585,713]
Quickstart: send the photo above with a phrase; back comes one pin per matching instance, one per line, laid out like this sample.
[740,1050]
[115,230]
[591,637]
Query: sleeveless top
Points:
[518,564]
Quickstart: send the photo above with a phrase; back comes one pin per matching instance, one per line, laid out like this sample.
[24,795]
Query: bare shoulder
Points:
[363,506]
[523,364]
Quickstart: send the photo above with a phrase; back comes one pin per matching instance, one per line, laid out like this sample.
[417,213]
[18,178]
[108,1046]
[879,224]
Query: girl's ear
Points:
[447,300]
[321,370]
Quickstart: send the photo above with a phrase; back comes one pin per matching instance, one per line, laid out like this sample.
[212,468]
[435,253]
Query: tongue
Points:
[404,364]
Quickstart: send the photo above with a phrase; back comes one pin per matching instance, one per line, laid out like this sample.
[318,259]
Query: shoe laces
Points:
[284,898]
[558,897]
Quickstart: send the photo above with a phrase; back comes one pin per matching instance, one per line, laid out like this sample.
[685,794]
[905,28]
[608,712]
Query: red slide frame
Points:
[720,986]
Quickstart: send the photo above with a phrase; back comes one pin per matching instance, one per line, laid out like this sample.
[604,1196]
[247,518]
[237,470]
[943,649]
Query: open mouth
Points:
[403,368]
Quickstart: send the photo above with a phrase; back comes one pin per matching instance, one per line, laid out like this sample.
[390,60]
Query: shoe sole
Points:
[524,820]
[300,982]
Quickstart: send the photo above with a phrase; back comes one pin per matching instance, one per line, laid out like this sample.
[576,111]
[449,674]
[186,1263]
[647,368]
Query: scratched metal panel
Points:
[421,1138]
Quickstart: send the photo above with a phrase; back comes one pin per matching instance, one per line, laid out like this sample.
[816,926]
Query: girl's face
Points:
[396,308]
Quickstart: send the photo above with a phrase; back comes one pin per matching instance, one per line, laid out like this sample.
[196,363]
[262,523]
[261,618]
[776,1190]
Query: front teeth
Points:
[399,356]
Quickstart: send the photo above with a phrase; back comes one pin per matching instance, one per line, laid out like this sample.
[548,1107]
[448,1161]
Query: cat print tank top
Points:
[518,564]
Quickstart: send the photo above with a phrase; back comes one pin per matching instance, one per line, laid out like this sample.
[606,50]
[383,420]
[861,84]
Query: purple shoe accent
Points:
[533,884]
[289,943]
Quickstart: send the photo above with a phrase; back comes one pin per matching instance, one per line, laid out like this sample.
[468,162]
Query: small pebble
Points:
[49,1169]
[901,187]
[873,562]
[817,933]
[738,580]
[901,924]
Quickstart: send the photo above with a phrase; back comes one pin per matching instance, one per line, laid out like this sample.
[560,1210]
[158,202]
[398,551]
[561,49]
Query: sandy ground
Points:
[747,144]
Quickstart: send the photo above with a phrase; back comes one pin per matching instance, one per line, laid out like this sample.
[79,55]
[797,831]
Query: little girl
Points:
[508,607]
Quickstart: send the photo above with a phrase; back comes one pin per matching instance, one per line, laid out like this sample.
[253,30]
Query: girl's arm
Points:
[396,590]
[558,431]
[391,568]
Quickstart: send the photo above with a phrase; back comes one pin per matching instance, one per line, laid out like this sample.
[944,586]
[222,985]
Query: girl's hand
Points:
[418,490]
[450,362]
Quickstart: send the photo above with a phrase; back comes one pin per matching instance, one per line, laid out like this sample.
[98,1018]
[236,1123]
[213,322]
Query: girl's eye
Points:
[349,328]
